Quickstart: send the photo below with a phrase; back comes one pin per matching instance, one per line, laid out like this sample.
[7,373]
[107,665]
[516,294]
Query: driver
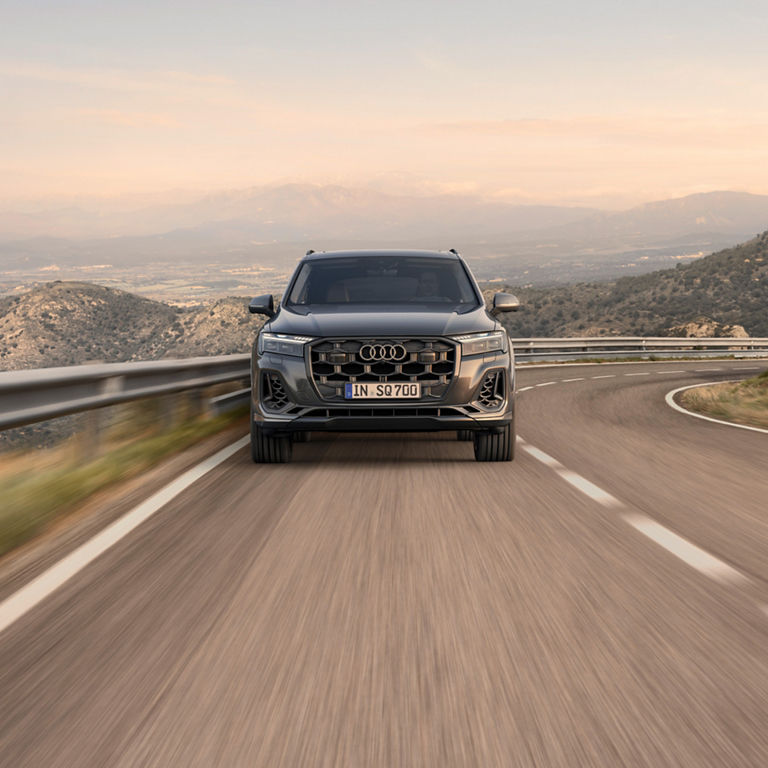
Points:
[429,286]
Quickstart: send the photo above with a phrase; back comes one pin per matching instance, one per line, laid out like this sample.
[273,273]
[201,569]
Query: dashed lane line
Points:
[637,374]
[660,372]
[567,381]
[676,545]
[588,488]
[577,481]
[606,376]
[546,383]
[689,553]
[544,458]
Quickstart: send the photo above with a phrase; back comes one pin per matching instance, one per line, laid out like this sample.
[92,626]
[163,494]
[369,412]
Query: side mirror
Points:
[263,305]
[505,302]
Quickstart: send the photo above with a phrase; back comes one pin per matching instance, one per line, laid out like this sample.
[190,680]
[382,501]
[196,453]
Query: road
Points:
[384,600]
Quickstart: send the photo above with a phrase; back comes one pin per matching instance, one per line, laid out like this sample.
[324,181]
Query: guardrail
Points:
[530,349]
[46,393]
[37,395]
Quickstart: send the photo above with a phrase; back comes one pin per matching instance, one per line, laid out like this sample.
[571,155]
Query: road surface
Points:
[385,600]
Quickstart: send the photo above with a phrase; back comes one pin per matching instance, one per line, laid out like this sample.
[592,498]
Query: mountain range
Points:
[272,226]
[69,323]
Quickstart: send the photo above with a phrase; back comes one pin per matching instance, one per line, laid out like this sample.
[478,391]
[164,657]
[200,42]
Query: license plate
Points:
[367,390]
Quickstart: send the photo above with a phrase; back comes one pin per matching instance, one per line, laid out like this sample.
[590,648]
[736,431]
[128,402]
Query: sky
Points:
[596,103]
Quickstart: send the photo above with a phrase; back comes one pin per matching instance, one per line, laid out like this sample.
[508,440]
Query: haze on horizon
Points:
[594,105]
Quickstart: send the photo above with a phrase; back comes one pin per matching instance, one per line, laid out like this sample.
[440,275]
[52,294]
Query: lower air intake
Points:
[491,395]
[273,394]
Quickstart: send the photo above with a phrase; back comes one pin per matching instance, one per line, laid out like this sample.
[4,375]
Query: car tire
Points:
[269,449]
[495,446]
[464,435]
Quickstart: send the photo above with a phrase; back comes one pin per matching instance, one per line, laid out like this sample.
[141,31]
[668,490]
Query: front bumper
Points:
[306,411]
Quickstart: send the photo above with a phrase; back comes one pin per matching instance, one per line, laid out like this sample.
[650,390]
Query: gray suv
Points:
[382,341]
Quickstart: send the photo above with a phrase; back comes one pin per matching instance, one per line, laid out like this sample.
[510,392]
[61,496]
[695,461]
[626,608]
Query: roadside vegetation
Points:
[745,402]
[37,487]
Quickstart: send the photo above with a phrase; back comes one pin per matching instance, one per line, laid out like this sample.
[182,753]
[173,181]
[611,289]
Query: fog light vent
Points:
[273,394]
[492,393]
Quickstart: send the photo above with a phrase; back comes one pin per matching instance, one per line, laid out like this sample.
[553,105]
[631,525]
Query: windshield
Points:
[382,280]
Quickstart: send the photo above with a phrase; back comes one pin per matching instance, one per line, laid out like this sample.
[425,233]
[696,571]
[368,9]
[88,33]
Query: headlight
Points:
[482,343]
[282,344]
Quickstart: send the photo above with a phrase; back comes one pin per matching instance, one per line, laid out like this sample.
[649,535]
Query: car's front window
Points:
[382,280]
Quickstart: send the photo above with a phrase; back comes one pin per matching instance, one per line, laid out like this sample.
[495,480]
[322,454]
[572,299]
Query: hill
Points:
[729,213]
[725,290]
[70,323]
[291,212]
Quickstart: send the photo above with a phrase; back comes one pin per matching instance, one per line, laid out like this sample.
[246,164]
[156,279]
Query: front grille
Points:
[432,362]
[492,393]
[273,394]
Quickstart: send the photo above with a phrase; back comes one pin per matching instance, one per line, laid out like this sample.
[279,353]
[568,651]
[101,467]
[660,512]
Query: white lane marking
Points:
[590,489]
[670,398]
[546,384]
[706,370]
[669,372]
[576,480]
[15,606]
[607,376]
[566,381]
[637,374]
[524,389]
[676,545]
[544,458]
[682,548]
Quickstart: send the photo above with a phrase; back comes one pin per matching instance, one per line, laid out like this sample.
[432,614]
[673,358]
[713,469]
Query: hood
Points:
[419,320]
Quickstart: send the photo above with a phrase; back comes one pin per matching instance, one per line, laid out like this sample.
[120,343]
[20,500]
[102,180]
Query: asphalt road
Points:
[384,600]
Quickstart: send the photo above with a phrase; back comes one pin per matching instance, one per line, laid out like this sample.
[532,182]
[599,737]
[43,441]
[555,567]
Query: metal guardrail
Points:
[635,346]
[46,393]
[36,395]
[229,401]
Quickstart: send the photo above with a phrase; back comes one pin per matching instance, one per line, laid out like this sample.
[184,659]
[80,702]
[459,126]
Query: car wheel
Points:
[269,449]
[495,446]
[464,435]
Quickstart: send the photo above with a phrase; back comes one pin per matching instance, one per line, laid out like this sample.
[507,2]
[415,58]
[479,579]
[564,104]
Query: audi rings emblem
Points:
[390,353]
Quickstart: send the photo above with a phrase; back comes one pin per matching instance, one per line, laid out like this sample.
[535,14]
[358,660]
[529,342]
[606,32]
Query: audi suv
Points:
[382,341]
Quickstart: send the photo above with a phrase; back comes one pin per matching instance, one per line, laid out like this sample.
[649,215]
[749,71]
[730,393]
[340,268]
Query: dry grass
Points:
[38,486]
[743,403]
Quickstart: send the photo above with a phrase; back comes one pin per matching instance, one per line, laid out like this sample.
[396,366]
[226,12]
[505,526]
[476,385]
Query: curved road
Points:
[386,601]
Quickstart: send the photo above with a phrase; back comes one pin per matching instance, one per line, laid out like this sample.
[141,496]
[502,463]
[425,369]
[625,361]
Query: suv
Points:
[377,341]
